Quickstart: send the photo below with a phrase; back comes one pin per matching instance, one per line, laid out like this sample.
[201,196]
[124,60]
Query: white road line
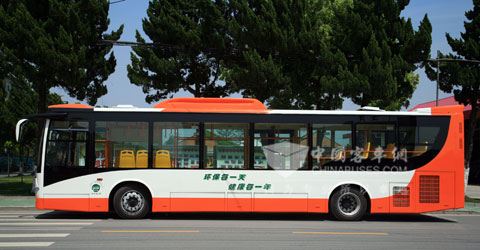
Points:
[17,216]
[26,213]
[32,235]
[26,244]
[40,229]
[47,224]
[49,220]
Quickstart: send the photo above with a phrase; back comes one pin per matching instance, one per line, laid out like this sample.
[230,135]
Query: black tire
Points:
[348,204]
[132,202]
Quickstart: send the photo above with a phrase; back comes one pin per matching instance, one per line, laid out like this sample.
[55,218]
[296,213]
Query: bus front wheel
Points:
[348,204]
[131,202]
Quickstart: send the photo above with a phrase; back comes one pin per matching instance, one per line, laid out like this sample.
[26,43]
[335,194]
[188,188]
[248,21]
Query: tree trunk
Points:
[469,139]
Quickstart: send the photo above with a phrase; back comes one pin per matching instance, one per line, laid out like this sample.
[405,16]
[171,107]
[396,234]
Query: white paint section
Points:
[281,196]
[344,112]
[117,109]
[239,195]
[26,244]
[165,183]
[32,235]
[197,195]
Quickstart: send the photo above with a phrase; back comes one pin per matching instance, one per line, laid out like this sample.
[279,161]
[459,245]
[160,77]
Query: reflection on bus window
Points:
[121,144]
[417,140]
[66,144]
[226,145]
[331,142]
[176,145]
[375,137]
[280,146]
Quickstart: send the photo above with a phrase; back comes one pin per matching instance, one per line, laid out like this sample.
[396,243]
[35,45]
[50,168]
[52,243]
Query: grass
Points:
[471,200]
[12,186]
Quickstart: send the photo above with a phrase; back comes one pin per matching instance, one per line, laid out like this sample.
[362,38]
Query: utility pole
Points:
[438,60]
[438,74]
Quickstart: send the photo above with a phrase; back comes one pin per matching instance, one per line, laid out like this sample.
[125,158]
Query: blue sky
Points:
[446,16]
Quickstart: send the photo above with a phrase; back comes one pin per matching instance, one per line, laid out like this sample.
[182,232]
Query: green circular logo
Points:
[96,187]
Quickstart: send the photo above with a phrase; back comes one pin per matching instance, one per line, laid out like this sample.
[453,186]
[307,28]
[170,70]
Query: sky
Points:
[446,16]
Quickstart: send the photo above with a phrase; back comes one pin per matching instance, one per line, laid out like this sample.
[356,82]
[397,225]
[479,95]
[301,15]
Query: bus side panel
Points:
[453,155]
[438,185]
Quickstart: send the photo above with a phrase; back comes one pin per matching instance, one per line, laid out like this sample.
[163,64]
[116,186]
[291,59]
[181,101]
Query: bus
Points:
[235,155]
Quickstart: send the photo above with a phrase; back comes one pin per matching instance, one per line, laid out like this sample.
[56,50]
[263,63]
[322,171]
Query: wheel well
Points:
[355,186]
[121,184]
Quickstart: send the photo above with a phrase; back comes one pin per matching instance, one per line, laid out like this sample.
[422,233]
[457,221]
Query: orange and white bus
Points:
[235,155]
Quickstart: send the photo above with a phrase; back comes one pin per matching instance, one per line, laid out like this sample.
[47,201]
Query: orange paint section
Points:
[73,204]
[447,165]
[70,106]
[213,105]
[272,205]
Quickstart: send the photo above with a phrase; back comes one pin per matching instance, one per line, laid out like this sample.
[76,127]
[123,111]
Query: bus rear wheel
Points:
[131,202]
[348,204]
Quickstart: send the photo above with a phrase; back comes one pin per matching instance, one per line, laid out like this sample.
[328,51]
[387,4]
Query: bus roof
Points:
[226,105]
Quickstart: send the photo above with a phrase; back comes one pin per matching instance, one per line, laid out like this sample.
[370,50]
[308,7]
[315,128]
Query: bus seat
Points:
[366,150]
[389,151]
[142,159]
[420,150]
[127,159]
[162,159]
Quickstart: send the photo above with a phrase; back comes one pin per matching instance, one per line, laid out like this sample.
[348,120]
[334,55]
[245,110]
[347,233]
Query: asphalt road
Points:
[32,229]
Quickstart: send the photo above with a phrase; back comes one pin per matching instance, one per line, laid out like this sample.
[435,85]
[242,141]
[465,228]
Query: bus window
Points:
[373,138]
[331,142]
[117,144]
[226,140]
[176,145]
[417,140]
[280,146]
[66,144]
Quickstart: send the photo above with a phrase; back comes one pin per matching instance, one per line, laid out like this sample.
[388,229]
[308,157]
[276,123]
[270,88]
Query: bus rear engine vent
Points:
[429,189]
[401,196]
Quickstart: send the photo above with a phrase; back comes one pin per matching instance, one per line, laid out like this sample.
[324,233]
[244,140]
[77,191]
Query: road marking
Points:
[340,233]
[150,231]
[47,224]
[16,216]
[45,220]
[26,244]
[40,229]
[32,235]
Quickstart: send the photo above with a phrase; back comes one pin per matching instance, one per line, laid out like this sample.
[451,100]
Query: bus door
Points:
[66,150]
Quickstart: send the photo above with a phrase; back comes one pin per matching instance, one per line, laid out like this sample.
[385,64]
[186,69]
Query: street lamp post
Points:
[438,74]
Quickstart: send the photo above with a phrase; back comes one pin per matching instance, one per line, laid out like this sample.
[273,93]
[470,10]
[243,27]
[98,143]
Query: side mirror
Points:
[18,129]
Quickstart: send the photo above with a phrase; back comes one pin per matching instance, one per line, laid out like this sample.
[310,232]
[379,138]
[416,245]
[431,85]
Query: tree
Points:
[53,43]
[191,42]
[382,50]
[19,102]
[287,55]
[462,77]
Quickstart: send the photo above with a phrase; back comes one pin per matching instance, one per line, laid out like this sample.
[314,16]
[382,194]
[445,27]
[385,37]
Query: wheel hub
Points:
[132,202]
[348,204]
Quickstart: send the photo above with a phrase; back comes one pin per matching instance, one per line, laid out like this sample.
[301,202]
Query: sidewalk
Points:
[473,191]
[17,201]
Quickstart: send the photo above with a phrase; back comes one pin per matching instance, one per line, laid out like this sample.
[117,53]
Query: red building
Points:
[467,110]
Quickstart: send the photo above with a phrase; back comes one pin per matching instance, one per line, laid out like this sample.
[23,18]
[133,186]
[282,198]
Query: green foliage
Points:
[306,54]
[193,27]
[383,50]
[14,186]
[21,101]
[53,43]
[461,77]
